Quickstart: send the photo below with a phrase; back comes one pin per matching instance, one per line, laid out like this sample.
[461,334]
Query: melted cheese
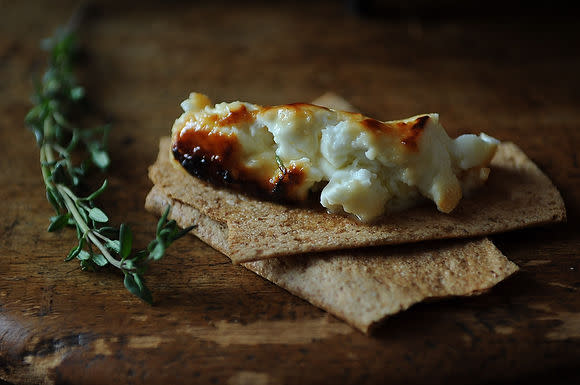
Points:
[359,165]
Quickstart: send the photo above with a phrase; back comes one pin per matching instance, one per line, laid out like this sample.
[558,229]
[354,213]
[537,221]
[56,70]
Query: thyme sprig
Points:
[56,98]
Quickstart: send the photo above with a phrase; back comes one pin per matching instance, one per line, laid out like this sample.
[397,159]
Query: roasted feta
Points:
[358,165]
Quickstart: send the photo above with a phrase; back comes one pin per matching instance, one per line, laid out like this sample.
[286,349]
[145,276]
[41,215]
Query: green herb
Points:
[281,166]
[55,100]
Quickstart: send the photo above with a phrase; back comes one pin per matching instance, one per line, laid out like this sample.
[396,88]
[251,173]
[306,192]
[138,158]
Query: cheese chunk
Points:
[358,165]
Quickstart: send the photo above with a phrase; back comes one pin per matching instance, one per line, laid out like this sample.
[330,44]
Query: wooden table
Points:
[514,77]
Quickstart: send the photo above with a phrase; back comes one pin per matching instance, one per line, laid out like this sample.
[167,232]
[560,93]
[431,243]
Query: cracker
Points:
[361,286]
[365,286]
[517,195]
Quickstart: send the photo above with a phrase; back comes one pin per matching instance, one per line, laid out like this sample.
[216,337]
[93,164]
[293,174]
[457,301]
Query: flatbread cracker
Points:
[516,195]
[364,286]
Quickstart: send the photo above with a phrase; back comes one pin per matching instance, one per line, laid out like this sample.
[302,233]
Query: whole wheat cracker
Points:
[361,286]
[365,286]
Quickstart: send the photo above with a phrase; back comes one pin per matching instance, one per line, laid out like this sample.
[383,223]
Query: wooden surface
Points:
[514,77]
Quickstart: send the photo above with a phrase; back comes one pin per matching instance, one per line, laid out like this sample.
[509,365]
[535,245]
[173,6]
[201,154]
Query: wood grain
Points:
[218,323]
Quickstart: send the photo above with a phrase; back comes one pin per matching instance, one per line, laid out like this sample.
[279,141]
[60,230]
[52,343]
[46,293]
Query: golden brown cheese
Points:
[360,165]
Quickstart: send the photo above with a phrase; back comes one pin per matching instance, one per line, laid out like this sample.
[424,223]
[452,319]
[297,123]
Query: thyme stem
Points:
[56,96]
[80,222]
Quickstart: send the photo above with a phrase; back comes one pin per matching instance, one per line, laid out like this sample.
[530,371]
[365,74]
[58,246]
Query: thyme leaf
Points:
[51,120]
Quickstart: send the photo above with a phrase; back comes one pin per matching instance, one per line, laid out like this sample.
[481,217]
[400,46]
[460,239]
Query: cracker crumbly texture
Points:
[517,195]
[365,286]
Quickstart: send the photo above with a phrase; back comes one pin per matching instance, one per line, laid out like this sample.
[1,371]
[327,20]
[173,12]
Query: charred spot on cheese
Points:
[350,162]
[215,157]
[286,181]
[212,155]
[413,132]
[375,125]
[408,132]
[208,156]
[236,116]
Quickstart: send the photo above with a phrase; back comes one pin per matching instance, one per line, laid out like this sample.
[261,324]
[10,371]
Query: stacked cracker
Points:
[361,272]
